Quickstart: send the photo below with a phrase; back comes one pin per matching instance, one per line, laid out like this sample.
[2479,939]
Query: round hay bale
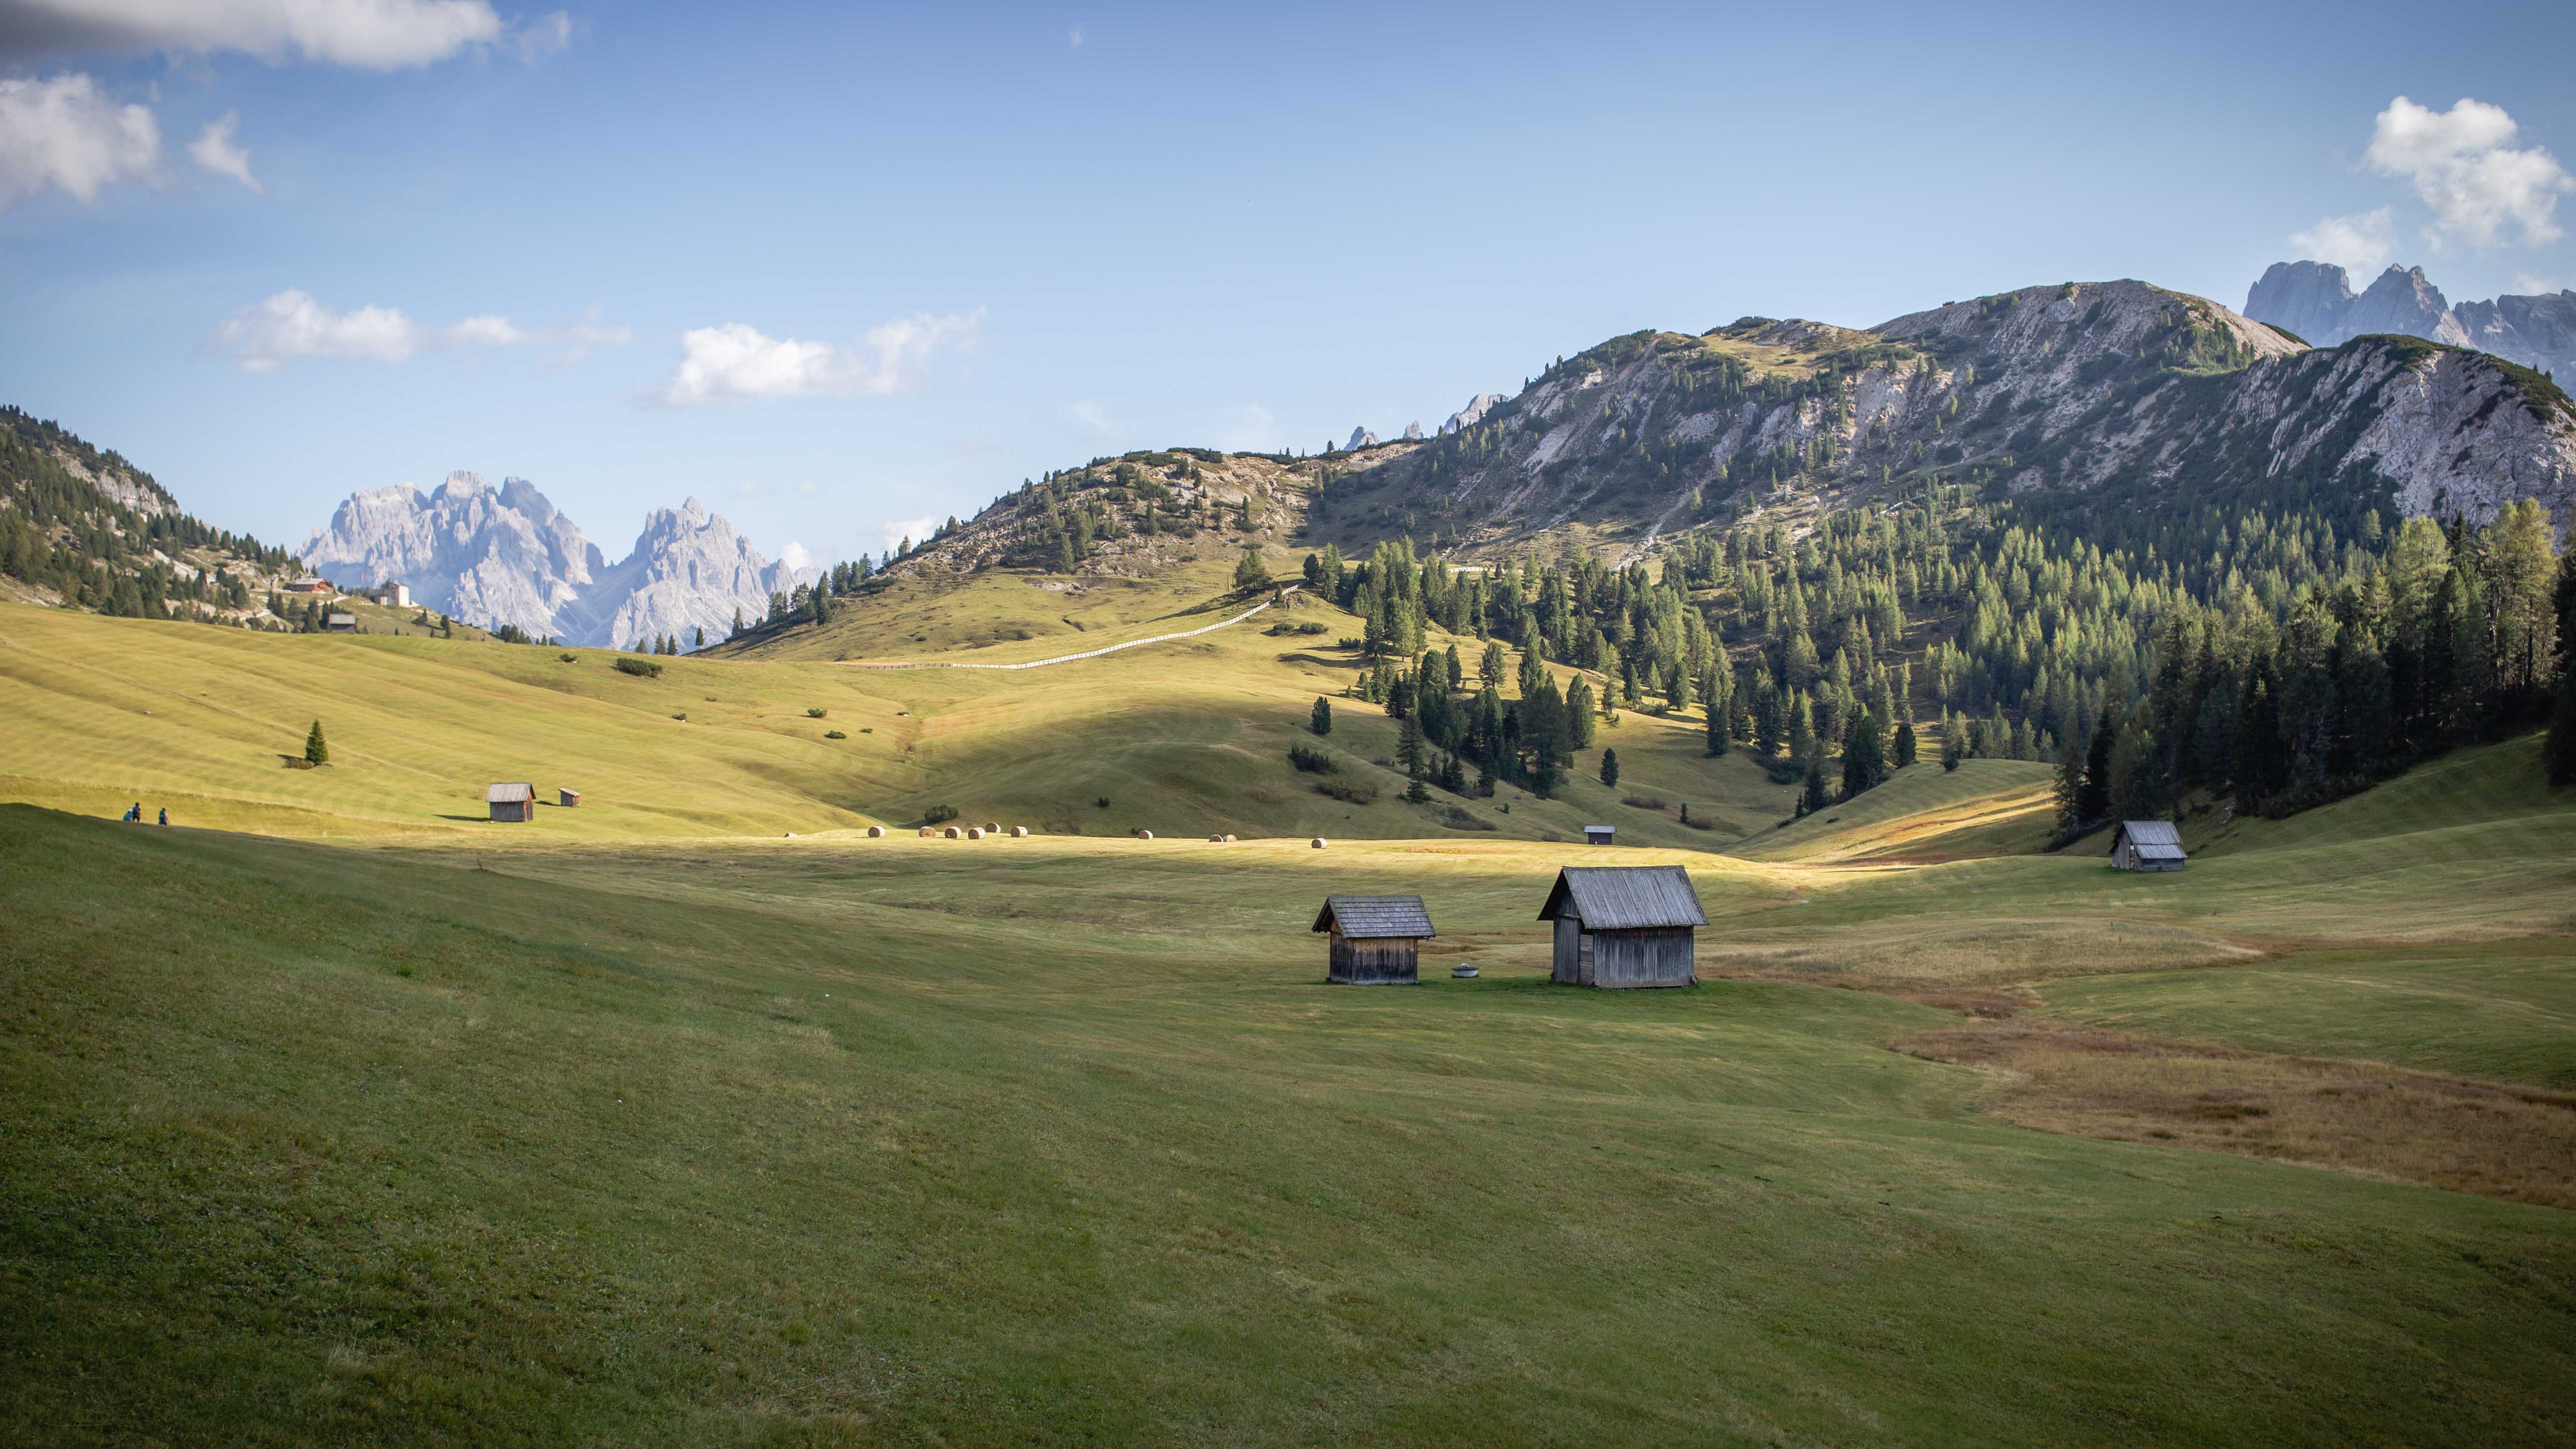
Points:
[1216,840]
[876,832]
[992,829]
[975,832]
[952,832]
[928,831]
[1019,832]
[1144,835]
[1317,843]
[1229,840]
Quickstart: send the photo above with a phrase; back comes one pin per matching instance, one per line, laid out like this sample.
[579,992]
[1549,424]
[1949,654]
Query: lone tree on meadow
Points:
[1321,721]
[1609,767]
[1905,744]
[316,752]
[1252,573]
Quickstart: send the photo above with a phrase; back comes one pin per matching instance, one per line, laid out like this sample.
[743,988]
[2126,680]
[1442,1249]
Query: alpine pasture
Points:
[338,1114]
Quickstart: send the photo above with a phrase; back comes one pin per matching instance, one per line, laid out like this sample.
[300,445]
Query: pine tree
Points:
[1720,725]
[316,752]
[1579,710]
[1904,745]
[1953,750]
[2560,750]
[2093,794]
[1610,767]
[1251,573]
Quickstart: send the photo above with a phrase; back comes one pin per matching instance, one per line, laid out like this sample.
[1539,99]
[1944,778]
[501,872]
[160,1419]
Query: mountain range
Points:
[506,555]
[2316,301]
[2115,392]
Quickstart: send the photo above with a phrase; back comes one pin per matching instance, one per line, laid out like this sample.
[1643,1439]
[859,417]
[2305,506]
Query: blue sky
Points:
[833,268]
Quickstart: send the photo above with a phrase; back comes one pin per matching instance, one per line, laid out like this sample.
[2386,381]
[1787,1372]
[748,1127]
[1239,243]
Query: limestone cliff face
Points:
[2074,386]
[2316,301]
[507,556]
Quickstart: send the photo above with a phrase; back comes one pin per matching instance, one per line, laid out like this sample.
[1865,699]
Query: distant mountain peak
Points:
[509,556]
[2316,301]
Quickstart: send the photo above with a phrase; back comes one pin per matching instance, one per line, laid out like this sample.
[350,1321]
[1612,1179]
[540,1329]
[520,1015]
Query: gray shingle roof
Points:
[503,794]
[1625,897]
[1375,917]
[2155,839]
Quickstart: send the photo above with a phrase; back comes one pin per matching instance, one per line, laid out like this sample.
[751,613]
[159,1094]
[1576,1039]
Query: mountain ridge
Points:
[507,555]
[2316,300]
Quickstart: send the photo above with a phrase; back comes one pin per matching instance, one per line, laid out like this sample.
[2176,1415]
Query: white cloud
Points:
[795,557]
[1075,35]
[2464,166]
[63,133]
[268,334]
[264,336]
[2361,245]
[904,348]
[737,360]
[1248,429]
[916,529]
[369,34]
[1093,421]
[215,150]
[2531,286]
[808,486]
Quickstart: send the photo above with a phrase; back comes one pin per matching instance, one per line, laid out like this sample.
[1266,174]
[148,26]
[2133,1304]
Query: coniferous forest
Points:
[2274,659]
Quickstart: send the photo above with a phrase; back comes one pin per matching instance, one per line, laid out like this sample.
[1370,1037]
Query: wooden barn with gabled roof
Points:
[2148,845]
[1628,925]
[512,800]
[1377,940]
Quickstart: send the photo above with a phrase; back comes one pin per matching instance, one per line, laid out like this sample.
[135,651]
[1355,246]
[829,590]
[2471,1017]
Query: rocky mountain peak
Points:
[509,556]
[2537,332]
[1474,412]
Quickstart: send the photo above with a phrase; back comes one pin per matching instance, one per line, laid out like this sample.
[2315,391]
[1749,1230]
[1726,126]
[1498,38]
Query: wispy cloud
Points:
[65,134]
[270,333]
[1075,37]
[2361,245]
[897,530]
[736,360]
[1094,423]
[215,150]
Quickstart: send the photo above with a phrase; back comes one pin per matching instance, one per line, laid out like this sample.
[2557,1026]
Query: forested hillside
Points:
[84,527]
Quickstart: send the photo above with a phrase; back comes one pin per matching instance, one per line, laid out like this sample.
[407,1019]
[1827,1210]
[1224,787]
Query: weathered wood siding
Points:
[1567,969]
[519,811]
[1657,956]
[1383,961]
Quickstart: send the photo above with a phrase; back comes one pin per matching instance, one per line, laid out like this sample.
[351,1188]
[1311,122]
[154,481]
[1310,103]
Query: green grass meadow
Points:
[343,1120]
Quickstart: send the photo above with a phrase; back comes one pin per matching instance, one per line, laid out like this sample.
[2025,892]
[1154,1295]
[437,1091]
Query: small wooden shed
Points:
[2148,845]
[516,801]
[1624,925]
[569,799]
[1600,834]
[1377,940]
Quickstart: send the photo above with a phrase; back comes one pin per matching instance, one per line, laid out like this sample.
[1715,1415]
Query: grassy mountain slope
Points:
[1188,738]
[770,1141]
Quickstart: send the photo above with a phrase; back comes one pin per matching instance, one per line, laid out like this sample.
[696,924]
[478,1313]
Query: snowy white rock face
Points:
[1413,432]
[1361,438]
[1474,412]
[506,556]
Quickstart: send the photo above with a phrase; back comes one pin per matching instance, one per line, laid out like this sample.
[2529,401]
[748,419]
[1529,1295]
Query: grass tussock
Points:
[2450,1132]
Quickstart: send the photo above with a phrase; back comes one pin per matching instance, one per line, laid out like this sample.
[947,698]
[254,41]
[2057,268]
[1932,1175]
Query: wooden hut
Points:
[1600,834]
[512,801]
[1623,925]
[2147,845]
[569,799]
[1377,940]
